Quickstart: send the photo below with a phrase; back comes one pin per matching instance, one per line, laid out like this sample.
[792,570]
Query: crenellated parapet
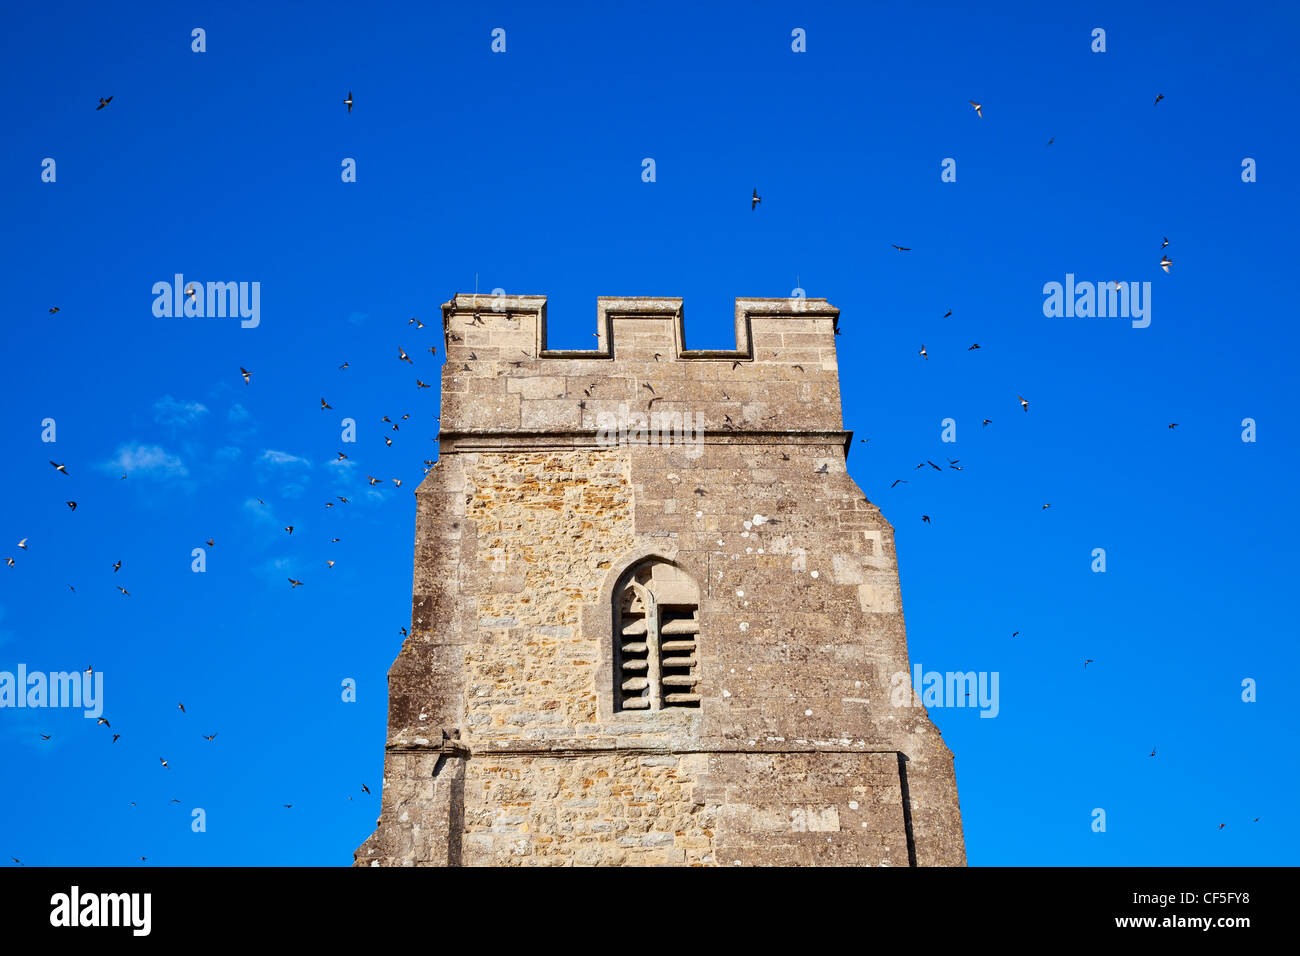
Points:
[501,377]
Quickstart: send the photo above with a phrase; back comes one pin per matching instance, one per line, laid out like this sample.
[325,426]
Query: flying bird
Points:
[1153,752]
[103,102]
[402,356]
[948,313]
[324,405]
[1051,141]
[898,481]
[23,544]
[182,707]
[986,423]
[1164,241]
[116,738]
[1046,506]
[343,366]
[978,109]
[212,541]
[1165,263]
[902,248]
[294,584]
[58,467]
[289,528]
[124,591]
[165,767]
[117,567]
[364,788]
[1172,426]
[1087,662]
[244,372]
[1159,97]
[104,722]
[348,101]
[933,465]
[925,518]
[208,737]
[1023,404]
[754,200]
[925,355]
[419,384]
[71,504]
[418,324]
[974,348]
[823,470]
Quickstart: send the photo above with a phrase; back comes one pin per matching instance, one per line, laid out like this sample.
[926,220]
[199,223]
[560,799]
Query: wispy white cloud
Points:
[274,457]
[238,413]
[168,411]
[146,460]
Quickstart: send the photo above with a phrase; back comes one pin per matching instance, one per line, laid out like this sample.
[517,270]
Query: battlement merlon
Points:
[500,376]
[640,322]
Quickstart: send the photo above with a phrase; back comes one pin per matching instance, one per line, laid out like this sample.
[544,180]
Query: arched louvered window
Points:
[656,639]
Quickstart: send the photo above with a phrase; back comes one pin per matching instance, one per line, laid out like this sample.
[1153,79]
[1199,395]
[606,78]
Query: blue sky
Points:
[524,168]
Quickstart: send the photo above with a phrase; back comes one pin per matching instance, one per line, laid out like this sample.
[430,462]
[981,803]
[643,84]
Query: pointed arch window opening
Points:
[656,641]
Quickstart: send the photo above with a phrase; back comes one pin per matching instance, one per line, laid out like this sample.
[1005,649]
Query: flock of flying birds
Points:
[755,199]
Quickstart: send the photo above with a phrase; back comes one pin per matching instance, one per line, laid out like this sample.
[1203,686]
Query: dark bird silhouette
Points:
[898,481]
[246,373]
[58,467]
[1159,97]
[294,584]
[902,248]
[103,101]
[348,101]
[754,200]
[925,518]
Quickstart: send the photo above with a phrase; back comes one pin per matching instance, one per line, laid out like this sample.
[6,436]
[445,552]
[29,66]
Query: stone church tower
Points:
[654,619]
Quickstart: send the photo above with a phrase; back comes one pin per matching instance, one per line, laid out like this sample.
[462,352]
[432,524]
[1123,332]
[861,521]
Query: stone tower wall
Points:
[504,743]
